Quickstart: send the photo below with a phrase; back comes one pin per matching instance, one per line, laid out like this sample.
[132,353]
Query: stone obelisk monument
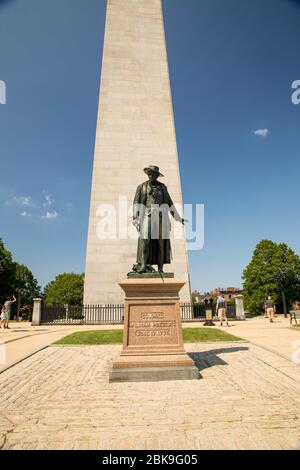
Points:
[135,129]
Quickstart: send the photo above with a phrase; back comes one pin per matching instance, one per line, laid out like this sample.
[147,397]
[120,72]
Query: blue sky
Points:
[232,63]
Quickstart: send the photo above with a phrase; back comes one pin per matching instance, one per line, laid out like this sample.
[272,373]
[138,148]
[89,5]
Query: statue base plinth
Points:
[152,345]
[154,275]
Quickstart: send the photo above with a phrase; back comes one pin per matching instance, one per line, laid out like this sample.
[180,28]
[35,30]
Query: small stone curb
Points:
[22,359]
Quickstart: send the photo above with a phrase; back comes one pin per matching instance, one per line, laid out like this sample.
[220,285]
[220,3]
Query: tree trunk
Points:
[284,303]
[18,307]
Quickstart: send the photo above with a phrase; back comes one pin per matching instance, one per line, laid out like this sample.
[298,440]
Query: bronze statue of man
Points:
[151,207]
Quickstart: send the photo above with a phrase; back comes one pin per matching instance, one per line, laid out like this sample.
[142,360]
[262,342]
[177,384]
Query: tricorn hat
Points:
[153,168]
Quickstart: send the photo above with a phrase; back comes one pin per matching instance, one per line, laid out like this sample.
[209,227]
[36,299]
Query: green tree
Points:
[273,270]
[16,279]
[26,287]
[66,288]
[7,273]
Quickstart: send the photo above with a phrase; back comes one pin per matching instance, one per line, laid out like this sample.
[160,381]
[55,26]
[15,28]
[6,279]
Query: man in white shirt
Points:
[221,310]
[270,308]
[6,310]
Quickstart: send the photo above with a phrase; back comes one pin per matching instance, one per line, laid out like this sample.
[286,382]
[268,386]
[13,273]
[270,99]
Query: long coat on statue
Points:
[158,249]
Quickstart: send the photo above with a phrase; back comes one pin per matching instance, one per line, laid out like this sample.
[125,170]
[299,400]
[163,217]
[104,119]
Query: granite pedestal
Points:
[153,345]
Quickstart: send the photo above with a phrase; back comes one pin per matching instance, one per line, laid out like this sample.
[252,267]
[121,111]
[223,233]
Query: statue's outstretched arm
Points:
[173,209]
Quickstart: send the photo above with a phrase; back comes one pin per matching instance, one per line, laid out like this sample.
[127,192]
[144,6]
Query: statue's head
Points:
[153,172]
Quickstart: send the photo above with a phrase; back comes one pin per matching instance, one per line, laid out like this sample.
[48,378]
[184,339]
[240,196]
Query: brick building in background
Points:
[229,293]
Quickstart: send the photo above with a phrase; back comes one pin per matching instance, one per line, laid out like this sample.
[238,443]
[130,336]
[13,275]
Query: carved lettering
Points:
[152,316]
[152,325]
[143,333]
[140,324]
[153,333]
[164,324]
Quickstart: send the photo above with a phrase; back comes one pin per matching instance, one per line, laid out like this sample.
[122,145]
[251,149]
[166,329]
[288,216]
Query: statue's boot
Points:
[142,269]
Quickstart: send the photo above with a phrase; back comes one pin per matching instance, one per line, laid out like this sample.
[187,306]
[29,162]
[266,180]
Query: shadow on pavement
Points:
[204,360]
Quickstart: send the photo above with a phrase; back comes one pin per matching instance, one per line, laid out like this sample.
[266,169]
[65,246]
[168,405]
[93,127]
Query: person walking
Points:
[270,308]
[293,313]
[221,310]
[6,311]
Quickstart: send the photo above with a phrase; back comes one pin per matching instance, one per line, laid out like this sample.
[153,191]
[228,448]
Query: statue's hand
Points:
[136,223]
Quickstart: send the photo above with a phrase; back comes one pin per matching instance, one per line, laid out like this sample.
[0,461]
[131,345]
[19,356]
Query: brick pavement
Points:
[60,398]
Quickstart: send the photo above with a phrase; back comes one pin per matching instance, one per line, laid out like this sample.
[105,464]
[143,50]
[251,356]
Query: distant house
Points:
[228,293]
[200,296]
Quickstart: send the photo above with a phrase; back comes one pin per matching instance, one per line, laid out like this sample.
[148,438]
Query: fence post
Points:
[66,307]
[240,312]
[37,312]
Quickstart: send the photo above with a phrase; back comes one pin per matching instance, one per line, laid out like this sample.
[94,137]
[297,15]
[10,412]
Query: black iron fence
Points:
[190,312]
[113,314]
[198,312]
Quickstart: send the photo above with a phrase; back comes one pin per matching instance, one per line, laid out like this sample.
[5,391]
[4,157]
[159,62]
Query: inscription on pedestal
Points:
[152,327]
[153,324]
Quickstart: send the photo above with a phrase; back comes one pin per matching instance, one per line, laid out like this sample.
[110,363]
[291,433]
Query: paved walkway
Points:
[22,339]
[60,398]
[277,336]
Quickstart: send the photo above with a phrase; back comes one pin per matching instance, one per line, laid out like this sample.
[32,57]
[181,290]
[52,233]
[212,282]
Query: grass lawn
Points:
[93,337]
[198,335]
[190,335]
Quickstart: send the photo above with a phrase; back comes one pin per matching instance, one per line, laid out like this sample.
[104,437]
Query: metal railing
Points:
[197,312]
[113,314]
[190,312]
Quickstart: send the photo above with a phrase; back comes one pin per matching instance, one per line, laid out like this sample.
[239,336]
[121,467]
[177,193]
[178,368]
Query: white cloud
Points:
[262,132]
[23,201]
[49,200]
[25,214]
[50,215]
